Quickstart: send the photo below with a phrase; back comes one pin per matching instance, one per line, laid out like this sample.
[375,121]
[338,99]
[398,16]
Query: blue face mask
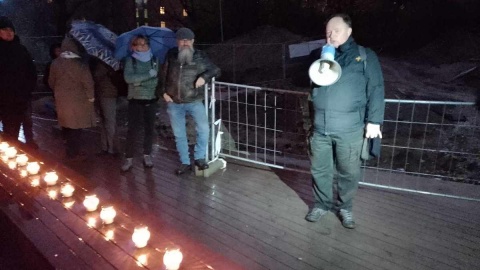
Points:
[143,56]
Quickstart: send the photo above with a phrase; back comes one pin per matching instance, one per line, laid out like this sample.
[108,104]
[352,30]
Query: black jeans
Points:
[139,112]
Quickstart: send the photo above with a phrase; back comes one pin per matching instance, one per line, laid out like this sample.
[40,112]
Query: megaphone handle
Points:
[323,67]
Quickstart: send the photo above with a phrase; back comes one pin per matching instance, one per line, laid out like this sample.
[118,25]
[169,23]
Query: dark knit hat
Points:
[6,23]
[185,33]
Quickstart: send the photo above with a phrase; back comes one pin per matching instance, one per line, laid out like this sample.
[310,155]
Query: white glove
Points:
[152,72]
[372,131]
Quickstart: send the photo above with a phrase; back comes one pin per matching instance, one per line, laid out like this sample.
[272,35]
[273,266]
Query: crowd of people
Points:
[343,114]
[85,87]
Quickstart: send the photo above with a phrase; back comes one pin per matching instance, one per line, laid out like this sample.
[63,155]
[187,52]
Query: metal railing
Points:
[423,141]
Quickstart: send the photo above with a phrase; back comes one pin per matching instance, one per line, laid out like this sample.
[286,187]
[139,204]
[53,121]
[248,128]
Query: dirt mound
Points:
[262,50]
[453,45]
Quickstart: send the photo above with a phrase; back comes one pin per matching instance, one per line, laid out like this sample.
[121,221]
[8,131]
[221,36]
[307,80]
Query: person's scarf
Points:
[142,56]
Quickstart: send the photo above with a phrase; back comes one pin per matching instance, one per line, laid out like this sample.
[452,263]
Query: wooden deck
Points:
[245,217]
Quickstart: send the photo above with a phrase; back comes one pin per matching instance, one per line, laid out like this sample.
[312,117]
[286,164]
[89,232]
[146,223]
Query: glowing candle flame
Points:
[22,160]
[140,236]
[172,259]
[11,152]
[51,178]
[67,190]
[12,164]
[3,146]
[108,214]
[33,168]
[91,202]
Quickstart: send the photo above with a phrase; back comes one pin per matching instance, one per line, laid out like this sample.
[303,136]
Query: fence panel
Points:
[421,139]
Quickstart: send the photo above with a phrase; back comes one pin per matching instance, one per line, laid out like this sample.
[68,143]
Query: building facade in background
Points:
[160,13]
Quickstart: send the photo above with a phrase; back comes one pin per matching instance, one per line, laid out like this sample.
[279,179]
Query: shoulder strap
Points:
[134,64]
[363,55]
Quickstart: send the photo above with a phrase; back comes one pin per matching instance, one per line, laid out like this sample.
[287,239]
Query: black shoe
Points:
[183,169]
[201,164]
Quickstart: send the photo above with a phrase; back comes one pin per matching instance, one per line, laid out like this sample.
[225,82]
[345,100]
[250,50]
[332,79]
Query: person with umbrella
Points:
[185,72]
[140,72]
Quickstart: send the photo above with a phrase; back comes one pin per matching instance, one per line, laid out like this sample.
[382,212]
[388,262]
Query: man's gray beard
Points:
[185,55]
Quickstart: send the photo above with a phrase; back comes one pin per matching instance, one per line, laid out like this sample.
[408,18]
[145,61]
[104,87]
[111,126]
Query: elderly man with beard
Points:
[17,81]
[184,74]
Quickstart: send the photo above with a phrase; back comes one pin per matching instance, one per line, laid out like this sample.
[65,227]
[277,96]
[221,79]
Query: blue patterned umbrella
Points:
[161,40]
[97,40]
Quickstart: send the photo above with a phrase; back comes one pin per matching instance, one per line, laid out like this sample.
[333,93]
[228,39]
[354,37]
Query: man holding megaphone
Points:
[348,105]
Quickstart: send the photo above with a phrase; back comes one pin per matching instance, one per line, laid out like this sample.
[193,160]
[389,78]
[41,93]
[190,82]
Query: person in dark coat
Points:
[344,113]
[73,87]
[17,81]
[185,72]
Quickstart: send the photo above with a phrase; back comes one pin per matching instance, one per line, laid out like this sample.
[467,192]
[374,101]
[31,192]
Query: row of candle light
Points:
[141,234]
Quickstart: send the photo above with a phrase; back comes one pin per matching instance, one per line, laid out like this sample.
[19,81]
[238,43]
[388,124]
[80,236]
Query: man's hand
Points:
[167,98]
[200,81]
[153,72]
[91,99]
[372,131]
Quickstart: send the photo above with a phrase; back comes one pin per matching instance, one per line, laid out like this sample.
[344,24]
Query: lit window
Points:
[162,10]
[163,24]
[145,13]
[136,13]
[185,14]
[49,1]
[145,1]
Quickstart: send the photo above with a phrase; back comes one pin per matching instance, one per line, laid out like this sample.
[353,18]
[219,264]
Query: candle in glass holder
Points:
[67,190]
[140,236]
[12,164]
[33,168]
[11,152]
[108,214]
[3,146]
[51,178]
[21,160]
[91,202]
[172,259]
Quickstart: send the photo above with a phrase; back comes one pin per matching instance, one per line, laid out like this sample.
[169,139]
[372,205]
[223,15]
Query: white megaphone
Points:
[325,71]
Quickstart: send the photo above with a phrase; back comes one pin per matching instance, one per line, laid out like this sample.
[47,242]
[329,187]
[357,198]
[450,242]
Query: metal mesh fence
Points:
[430,139]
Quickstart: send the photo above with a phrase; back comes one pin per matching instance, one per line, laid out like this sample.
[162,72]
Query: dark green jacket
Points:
[355,99]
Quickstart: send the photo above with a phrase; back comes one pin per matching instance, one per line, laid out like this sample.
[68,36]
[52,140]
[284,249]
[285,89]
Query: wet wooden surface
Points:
[244,217]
